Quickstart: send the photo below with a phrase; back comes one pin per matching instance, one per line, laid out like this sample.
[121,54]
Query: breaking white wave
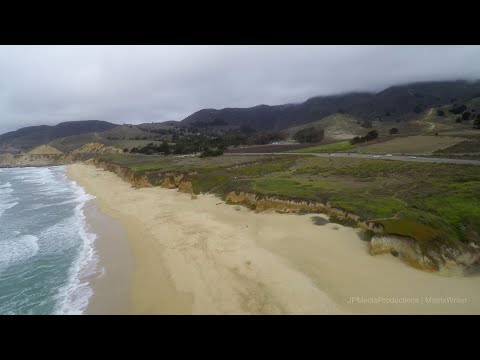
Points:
[18,249]
[48,253]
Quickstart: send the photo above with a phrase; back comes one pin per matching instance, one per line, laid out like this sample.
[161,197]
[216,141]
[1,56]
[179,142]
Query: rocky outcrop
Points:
[405,248]
[267,203]
[445,260]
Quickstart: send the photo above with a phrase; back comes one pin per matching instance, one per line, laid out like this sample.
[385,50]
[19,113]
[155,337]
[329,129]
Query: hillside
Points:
[96,148]
[29,137]
[45,150]
[124,136]
[264,117]
[336,126]
[396,103]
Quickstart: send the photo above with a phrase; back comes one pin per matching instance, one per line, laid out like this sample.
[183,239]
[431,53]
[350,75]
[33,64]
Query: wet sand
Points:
[205,257]
[112,284]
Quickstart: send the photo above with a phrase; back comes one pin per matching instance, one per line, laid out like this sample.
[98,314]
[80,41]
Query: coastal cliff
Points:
[444,259]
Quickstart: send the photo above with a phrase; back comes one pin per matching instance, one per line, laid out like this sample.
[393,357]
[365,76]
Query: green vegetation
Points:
[464,147]
[458,109]
[393,131]
[152,148]
[432,203]
[334,147]
[372,135]
[211,152]
[309,135]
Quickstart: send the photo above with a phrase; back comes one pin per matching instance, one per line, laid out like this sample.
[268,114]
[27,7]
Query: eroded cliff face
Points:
[444,260]
[272,203]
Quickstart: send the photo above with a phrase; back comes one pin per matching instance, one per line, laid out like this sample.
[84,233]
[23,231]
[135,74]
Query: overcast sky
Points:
[134,84]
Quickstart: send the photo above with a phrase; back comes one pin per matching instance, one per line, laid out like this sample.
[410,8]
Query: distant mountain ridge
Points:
[32,136]
[396,102]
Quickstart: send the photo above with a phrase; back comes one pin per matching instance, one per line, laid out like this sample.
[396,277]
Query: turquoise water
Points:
[46,250]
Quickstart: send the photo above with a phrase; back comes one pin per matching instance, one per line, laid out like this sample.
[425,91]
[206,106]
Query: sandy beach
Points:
[203,256]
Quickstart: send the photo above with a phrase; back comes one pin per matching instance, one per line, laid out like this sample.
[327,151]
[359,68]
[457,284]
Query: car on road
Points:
[376,156]
[413,157]
[389,155]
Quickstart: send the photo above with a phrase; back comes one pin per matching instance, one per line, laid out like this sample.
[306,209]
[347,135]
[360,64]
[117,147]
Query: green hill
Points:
[30,137]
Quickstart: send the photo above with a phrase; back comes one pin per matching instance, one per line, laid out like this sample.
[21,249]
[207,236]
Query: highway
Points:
[373,157]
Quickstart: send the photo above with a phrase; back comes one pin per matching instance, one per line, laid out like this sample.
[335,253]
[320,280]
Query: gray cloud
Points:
[50,84]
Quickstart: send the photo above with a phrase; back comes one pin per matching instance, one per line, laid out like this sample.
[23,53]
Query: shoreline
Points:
[206,257]
[111,284]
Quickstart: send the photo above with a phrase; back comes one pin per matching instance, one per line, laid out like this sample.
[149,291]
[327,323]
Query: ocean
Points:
[47,253]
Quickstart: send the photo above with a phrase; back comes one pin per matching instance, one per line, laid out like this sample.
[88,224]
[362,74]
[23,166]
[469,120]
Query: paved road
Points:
[374,157]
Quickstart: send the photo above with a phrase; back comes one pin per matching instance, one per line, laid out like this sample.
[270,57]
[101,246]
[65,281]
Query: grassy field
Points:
[415,145]
[464,147]
[433,203]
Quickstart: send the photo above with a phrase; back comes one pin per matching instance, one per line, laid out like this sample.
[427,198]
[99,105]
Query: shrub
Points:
[125,150]
[458,109]
[458,120]
[393,131]
[309,135]
[211,152]
[373,134]
[440,113]
[417,109]
[466,115]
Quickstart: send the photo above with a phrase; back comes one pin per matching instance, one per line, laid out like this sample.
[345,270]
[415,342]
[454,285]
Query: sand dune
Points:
[205,257]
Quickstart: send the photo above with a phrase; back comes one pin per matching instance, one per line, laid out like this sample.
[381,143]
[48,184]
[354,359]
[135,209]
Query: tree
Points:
[125,150]
[458,109]
[417,109]
[458,120]
[309,135]
[164,148]
[440,113]
[393,131]
[371,135]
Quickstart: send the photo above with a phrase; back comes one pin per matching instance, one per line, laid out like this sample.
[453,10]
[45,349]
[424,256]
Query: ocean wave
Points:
[18,249]
[7,201]
[61,245]
[6,185]
[73,298]
[6,206]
